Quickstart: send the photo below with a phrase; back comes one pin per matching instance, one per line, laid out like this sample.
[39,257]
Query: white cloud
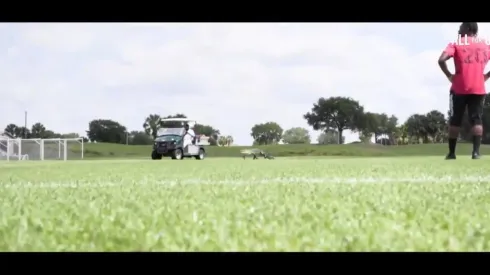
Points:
[61,37]
[228,75]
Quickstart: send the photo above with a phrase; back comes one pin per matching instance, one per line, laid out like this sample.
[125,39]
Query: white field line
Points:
[285,180]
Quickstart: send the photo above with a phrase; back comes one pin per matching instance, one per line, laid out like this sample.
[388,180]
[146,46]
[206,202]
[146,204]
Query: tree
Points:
[365,137]
[23,132]
[208,131]
[296,135]
[381,127]
[212,141]
[229,140]
[330,137]
[106,130]
[69,135]
[17,132]
[416,127]
[338,113]
[51,134]
[38,130]
[402,133]
[435,124]
[388,128]
[369,125]
[430,127]
[177,115]
[151,125]
[11,129]
[266,133]
[222,141]
[140,138]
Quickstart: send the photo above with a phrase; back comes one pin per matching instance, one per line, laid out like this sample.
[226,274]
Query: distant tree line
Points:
[110,131]
[38,130]
[332,116]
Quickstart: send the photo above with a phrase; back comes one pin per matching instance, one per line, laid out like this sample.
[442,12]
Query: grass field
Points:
[108,150]
[308,204]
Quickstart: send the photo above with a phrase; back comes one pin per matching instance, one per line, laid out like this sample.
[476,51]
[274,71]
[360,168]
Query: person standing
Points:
[470,55]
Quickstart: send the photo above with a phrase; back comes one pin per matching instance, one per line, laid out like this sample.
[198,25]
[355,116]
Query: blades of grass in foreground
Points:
[423,204]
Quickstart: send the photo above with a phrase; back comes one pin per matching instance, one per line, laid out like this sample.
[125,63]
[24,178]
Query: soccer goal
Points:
[41,149]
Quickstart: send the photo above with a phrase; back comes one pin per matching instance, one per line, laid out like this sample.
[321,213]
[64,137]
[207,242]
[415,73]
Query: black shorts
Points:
[458,105]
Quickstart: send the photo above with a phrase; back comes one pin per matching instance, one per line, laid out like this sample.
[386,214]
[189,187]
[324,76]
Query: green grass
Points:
[107,150]
[358,204]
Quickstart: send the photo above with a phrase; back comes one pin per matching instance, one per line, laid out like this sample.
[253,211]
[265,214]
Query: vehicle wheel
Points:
[155,155]
[177,154]
[201,154]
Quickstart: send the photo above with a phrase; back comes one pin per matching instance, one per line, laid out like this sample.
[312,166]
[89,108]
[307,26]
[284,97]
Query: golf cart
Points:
[174,141]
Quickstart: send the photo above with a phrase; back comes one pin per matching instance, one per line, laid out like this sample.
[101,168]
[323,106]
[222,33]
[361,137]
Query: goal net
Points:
[41,149]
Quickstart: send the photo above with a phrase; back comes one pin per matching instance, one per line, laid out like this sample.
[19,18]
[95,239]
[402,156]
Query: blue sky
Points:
[231,76]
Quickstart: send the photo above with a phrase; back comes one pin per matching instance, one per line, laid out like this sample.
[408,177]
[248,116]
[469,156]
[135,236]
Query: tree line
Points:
[38,130]
[332,116]
[110,131]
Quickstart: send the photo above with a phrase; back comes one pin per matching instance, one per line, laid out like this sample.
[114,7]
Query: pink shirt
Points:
[470,58]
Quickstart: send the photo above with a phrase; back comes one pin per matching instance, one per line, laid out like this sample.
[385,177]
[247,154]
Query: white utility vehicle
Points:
[174,141]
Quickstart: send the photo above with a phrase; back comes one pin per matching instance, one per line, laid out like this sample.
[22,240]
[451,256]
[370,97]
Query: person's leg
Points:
[475,113]
[457,106]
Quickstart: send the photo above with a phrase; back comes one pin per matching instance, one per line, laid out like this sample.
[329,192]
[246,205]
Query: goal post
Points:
[9,149]
[42,149]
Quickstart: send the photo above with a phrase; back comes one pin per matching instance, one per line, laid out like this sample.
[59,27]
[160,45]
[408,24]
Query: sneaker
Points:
[475,156]
[451,156]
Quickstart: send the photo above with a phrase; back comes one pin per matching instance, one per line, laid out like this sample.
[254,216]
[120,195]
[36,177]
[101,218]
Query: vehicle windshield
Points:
[168,138]
[170,131]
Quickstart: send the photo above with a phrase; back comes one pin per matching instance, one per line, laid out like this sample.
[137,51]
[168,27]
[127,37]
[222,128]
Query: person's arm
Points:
[447,54]
[189,132]
[487,75]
